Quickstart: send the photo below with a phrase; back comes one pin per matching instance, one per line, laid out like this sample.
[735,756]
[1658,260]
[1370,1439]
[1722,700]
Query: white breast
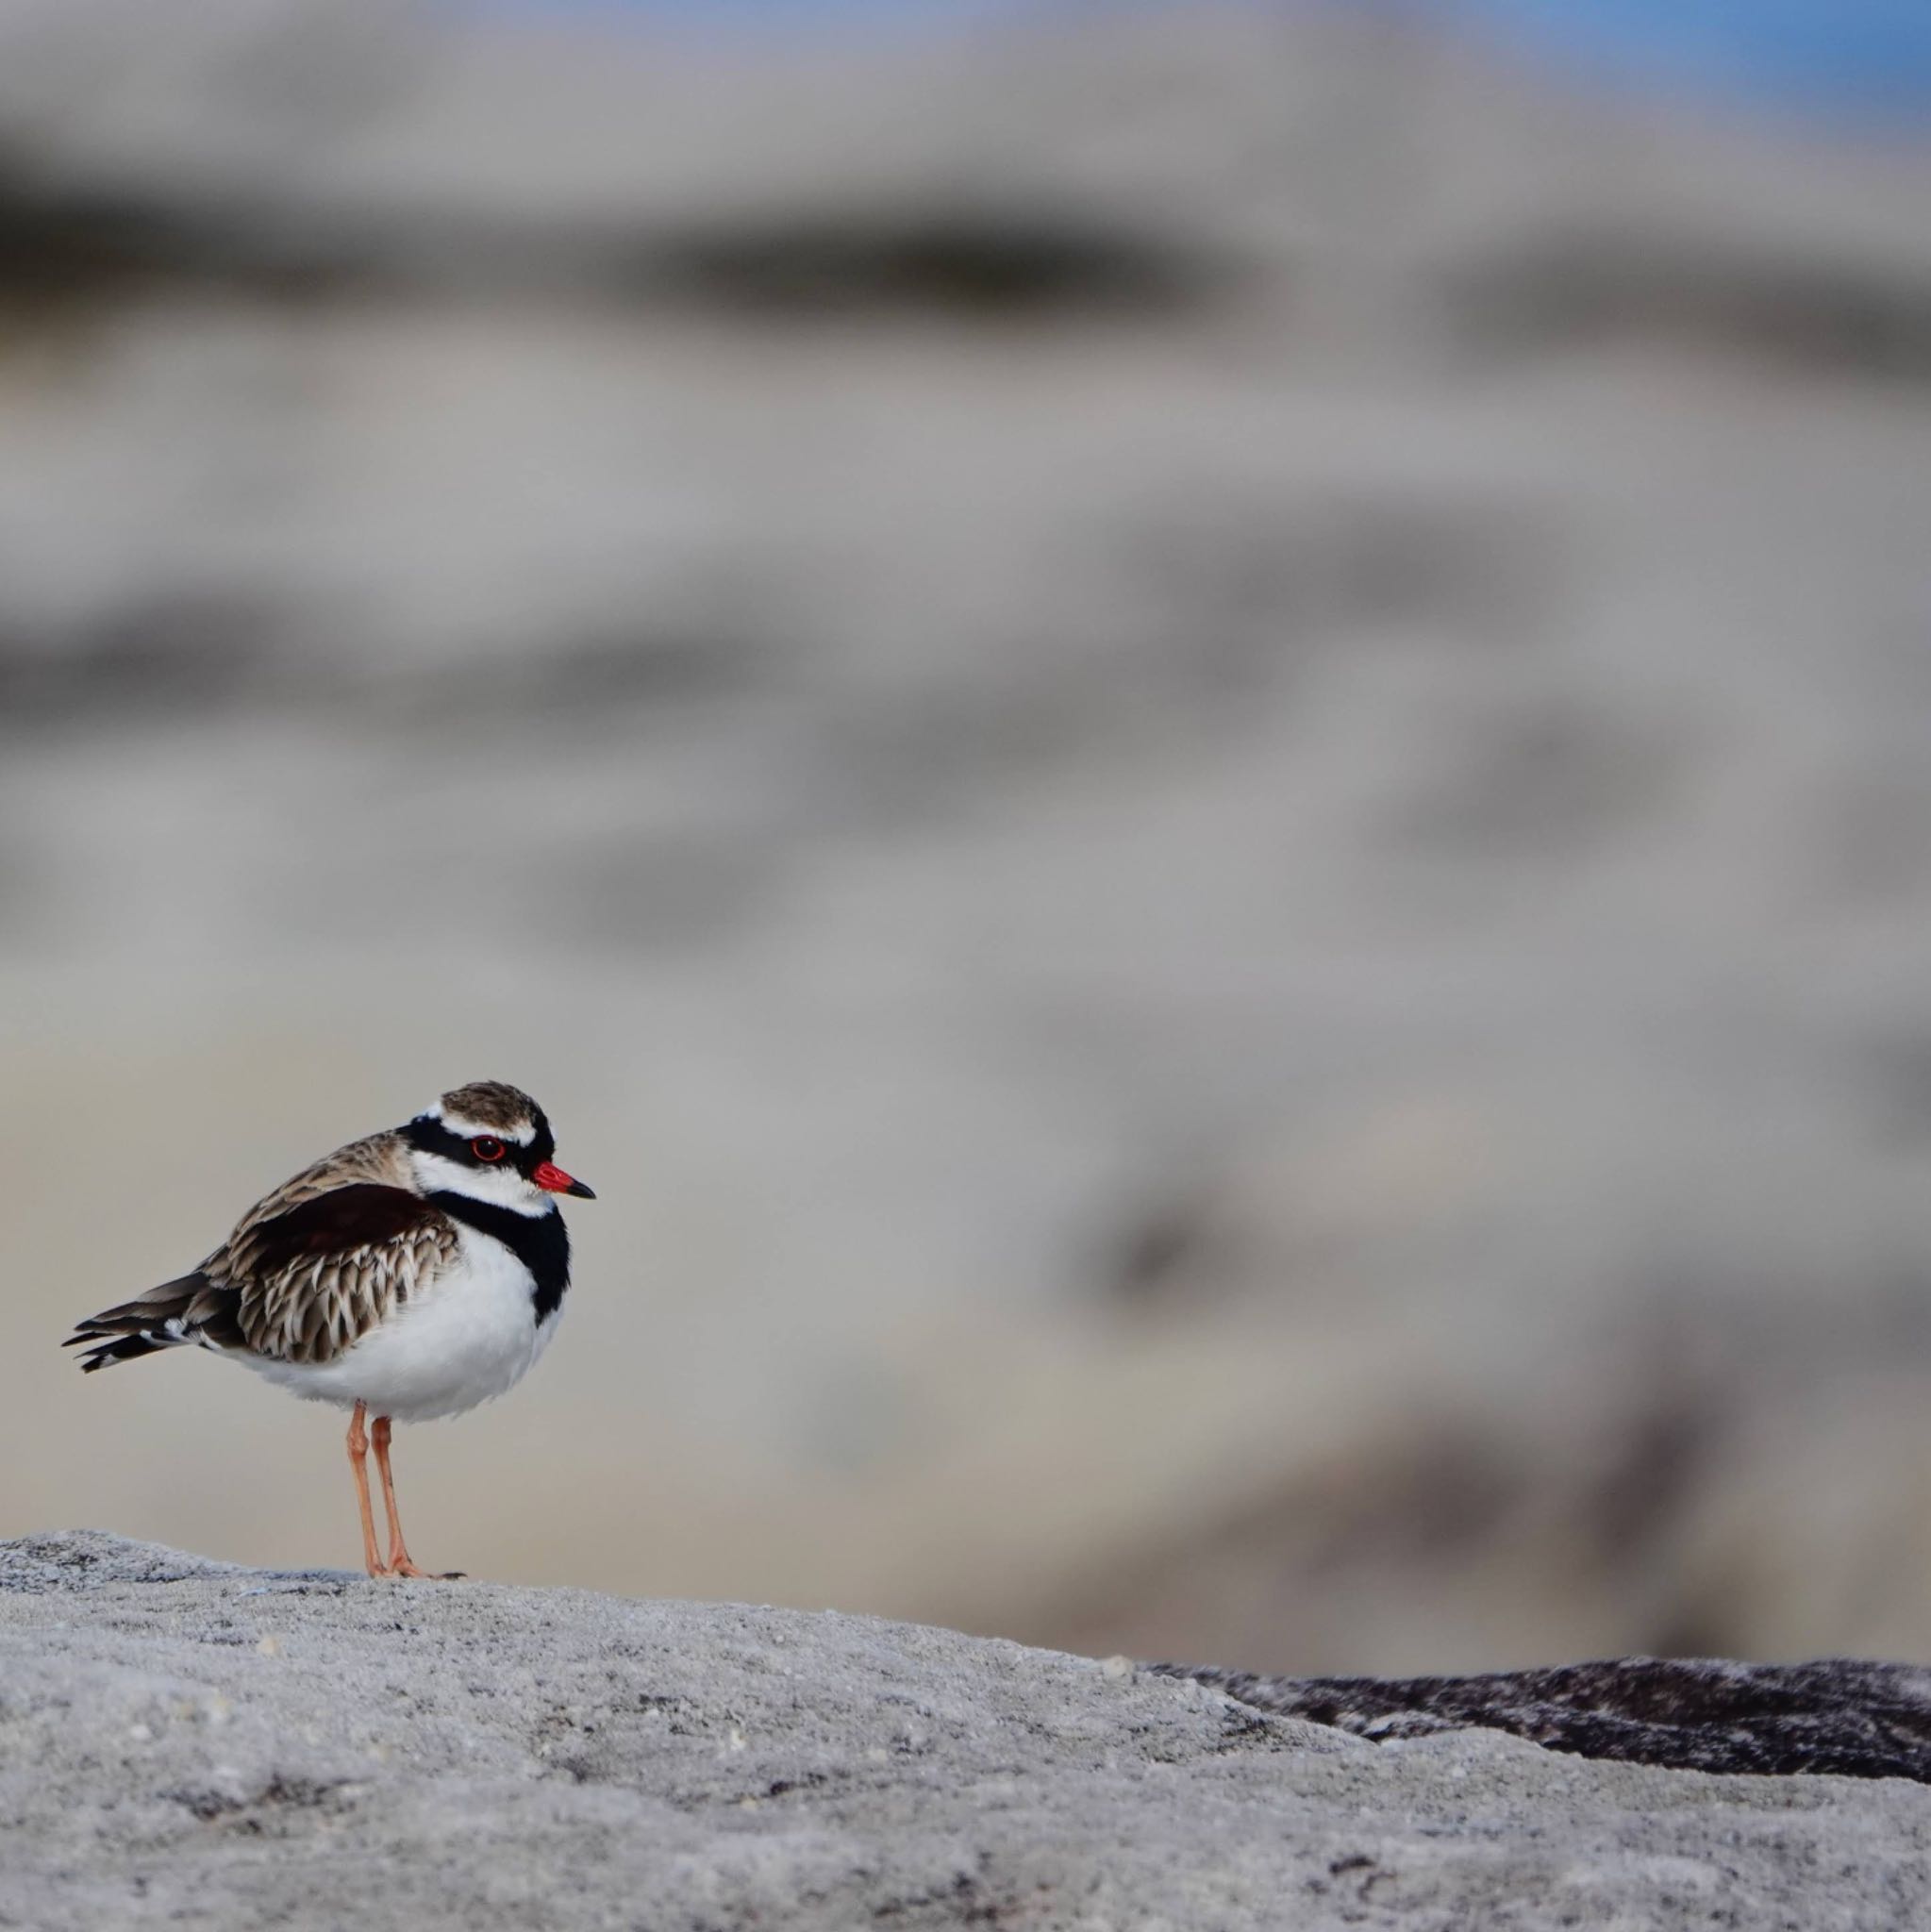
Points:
[467,1336]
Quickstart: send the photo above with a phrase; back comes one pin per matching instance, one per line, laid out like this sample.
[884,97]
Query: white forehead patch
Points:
[469,1129]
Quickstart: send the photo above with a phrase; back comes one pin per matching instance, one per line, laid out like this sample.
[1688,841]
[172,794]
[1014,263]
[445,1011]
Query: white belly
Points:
[469,1336]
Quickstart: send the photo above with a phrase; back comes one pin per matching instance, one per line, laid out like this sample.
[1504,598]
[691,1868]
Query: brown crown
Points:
[493,1104]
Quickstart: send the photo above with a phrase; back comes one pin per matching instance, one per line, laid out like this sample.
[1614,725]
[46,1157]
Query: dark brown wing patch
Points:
[362,1215]
[316,1277]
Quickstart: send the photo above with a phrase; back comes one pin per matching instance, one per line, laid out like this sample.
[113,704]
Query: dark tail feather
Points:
[127,1349]
[164,1317]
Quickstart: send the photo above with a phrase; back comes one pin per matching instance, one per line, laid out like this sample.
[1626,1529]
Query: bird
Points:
[409,1275]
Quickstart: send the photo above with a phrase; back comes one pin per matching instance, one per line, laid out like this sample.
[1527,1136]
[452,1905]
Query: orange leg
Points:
[358,1462]
[400,1562]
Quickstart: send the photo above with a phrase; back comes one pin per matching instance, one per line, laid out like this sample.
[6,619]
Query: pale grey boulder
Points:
[190,1742]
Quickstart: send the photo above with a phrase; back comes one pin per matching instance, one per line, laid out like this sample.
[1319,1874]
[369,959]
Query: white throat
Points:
[499,1187]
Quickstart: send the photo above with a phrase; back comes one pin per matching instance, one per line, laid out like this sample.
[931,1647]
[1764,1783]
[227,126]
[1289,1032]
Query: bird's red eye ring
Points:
[487,1147]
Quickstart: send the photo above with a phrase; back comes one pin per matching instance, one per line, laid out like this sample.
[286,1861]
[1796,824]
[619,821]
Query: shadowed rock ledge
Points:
[192,1741]
[1837,1716]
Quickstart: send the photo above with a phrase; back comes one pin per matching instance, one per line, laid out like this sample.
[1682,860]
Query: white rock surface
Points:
[192,1743]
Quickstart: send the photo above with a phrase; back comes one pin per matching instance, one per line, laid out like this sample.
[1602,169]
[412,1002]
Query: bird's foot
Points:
[404,1566]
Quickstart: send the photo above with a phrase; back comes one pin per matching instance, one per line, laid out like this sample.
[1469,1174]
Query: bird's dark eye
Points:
[487,1147]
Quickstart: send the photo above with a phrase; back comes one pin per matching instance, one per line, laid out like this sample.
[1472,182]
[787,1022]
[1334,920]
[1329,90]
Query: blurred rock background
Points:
[1189,741]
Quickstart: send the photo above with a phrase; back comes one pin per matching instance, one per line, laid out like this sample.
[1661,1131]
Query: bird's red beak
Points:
[554,1180]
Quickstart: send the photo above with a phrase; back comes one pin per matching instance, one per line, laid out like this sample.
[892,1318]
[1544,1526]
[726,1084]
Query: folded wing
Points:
[302,1283]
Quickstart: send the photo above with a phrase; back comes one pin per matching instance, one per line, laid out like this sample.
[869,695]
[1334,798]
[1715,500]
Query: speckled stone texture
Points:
[193,1743]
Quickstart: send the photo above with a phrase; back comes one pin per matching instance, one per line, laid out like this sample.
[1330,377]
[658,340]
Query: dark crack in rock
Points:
[1837,1715]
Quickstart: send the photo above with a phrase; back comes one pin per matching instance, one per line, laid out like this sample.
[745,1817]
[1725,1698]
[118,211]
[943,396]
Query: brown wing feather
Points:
[308,1272]
[315,1278]
[186,1310]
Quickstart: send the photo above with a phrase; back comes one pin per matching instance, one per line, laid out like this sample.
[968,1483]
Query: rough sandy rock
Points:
[197,1744]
